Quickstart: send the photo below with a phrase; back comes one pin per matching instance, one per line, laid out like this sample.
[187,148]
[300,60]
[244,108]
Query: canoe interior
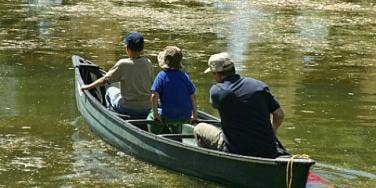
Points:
[90,72]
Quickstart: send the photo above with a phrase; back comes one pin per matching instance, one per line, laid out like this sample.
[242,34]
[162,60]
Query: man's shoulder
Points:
[121,63]
[250,79]
[219,88]
[131,61]
[254,82]
[144,60]
[124,61]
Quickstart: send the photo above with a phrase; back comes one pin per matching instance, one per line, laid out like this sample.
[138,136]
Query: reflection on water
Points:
[93,162]
[38,9]
[8,83]
[87,159]
[45,2]
[317,56]
[241,25]
[313,33]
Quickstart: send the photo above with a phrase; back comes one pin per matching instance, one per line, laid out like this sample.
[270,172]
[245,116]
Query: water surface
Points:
[317,57]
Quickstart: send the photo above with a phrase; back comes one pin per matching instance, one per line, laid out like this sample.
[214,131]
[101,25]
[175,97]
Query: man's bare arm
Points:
[99,82]
[278,116]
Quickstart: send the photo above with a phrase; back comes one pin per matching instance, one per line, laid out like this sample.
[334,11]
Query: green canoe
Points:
[179,151]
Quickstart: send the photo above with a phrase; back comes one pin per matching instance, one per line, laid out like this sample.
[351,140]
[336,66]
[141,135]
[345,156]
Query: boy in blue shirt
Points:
[175,91]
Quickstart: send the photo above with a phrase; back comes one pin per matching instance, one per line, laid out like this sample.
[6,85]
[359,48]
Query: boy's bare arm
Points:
[96,83]
[194,109]
[154,105]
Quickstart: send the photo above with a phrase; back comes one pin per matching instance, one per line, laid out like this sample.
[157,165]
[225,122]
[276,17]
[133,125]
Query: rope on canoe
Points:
[289,168]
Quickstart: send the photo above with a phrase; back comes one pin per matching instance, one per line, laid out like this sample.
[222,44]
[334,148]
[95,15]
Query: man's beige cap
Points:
[219,62]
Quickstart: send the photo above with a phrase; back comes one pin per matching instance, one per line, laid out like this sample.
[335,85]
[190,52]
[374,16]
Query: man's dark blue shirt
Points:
[245,105]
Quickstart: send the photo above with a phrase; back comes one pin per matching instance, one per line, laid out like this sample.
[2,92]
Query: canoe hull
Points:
[229,169]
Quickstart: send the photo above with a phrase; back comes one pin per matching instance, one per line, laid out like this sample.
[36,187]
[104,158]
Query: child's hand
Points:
[193,121]
[157,117]
[84,87]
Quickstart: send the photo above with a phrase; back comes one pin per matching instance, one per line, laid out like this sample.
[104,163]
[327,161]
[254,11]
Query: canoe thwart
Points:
[208,121]
[86,65]
[177,135]
[140,121]
[83,62]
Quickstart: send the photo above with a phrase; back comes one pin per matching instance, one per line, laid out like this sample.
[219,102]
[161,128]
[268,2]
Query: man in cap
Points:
[244,105]
[135,77]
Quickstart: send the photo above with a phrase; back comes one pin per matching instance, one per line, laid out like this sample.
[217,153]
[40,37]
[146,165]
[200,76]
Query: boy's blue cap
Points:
[134,40]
